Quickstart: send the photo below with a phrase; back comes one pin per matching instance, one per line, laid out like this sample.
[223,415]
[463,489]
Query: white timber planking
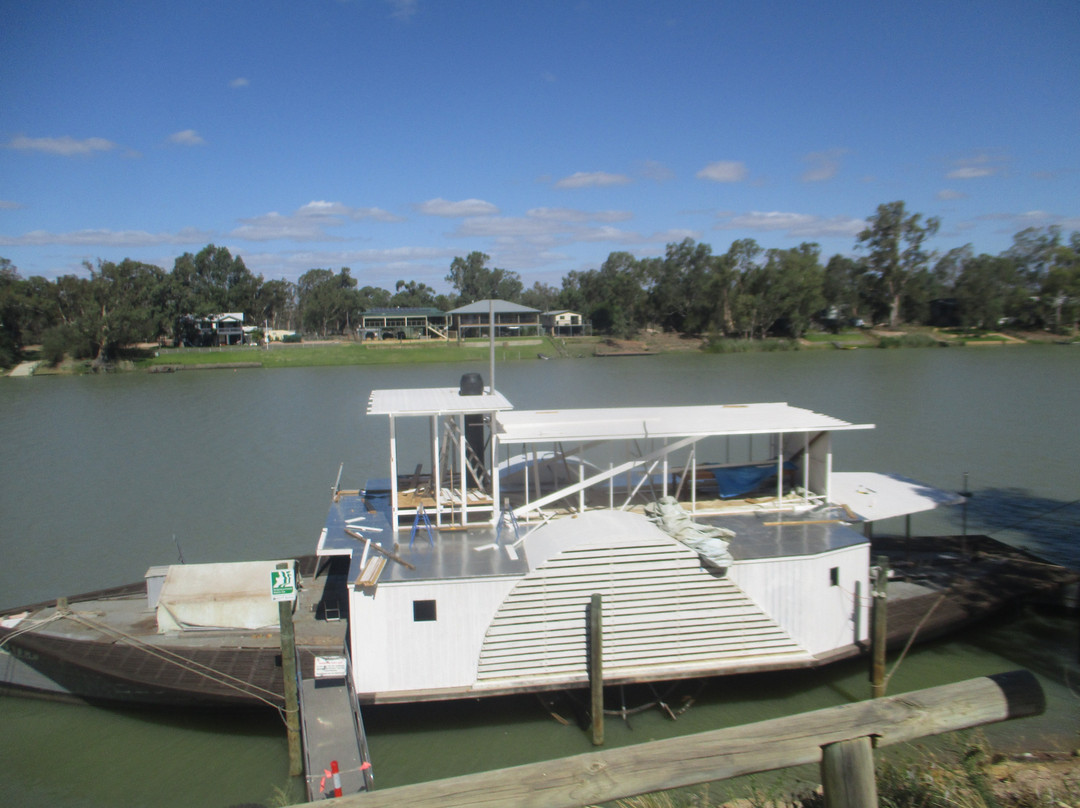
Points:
[671,614]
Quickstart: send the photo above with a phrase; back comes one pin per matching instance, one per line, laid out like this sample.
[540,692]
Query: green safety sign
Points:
[282,585]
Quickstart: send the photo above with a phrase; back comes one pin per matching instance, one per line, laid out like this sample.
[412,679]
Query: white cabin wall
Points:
[797,594]
[392,652]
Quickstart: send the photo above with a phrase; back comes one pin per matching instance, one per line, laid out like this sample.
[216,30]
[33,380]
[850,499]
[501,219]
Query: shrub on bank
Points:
[909,341]
[723,345]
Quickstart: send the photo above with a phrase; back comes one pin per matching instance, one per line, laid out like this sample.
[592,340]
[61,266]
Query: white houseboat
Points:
[719,538]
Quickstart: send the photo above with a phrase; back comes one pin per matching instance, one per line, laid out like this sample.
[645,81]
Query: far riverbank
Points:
[342,352]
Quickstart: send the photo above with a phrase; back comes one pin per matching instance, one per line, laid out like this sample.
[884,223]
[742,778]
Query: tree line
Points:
[748,291]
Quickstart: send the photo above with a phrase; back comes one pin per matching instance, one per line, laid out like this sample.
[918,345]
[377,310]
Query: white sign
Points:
[282,585]
[330,667]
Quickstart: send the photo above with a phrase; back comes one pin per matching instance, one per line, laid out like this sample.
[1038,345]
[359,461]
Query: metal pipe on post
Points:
[596,668]
[289,682]
[879,627]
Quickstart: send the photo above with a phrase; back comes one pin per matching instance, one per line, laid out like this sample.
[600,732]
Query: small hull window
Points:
[423,611]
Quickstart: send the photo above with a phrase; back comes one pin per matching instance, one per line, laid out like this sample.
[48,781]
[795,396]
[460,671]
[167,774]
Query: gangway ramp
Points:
[333,730]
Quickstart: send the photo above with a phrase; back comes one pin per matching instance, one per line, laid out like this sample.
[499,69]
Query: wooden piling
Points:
[288,675]
[847,774]
[879,628]
[596,668]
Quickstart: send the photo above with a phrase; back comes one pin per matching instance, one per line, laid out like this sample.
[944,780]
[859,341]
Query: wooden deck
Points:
[944,583]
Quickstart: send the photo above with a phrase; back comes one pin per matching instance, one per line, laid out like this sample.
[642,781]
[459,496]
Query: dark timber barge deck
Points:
[940,584]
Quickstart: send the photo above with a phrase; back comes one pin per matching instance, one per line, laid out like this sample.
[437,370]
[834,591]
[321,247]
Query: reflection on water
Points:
[104,477]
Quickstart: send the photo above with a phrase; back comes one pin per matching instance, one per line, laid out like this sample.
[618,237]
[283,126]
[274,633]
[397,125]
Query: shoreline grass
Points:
[327,353]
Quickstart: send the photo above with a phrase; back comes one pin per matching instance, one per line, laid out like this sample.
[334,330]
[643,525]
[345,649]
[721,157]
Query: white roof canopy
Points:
[434,401]
[626,423]
[874,496]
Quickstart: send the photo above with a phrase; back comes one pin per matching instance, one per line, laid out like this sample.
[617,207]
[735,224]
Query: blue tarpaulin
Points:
[734,481]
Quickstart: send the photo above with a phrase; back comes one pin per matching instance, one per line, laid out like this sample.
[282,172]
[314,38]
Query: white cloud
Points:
[1014,222]
[105,238]
[402,9]
[823,165]
[273,226]
[187,137]
[501,226]
[451,210]
[970,172]
[572,215]
[656,171]
[65,146]
[373,267]
[674,236]
[975,166]
[948,195]
[592,179]
[7,204]
[320,208]
[795,225]
[724,171]
[308,223]
[239,83]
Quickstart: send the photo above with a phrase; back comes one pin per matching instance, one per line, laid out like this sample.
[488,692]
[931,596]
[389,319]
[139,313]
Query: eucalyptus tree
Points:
[842,287]
[328,302]
[540,296]
[612,297]
[276,305]
[1060,290]
[796,279]
[119,304]
[894,241]
[474,281]
[983,289]
[738,297]
[12,302]
[688,288]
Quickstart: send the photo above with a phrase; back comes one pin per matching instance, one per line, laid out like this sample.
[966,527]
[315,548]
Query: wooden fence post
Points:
[847,774]
[288,676]
[596,667]
[878,628]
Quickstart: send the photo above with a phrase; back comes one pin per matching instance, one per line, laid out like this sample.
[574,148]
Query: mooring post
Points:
[878,628]
[288,676]
[596,668]
[847,774]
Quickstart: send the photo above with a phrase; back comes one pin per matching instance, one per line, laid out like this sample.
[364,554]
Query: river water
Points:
[103,477]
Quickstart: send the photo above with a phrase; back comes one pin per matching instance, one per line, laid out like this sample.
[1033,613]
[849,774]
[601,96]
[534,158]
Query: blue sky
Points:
[392,136]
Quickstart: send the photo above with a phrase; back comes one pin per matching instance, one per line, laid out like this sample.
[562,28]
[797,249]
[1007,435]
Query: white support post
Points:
[806,466]
[436,470]
[581,491]
[463,471]
[664,485]
[693,478]
[496,501]
[778,440]
[393,474]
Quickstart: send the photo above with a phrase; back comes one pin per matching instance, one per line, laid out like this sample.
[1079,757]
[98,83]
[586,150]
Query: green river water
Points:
[103,477]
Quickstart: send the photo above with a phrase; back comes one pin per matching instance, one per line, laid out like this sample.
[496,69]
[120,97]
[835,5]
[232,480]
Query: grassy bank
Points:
[334,352]
[346,353]
[960,771]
